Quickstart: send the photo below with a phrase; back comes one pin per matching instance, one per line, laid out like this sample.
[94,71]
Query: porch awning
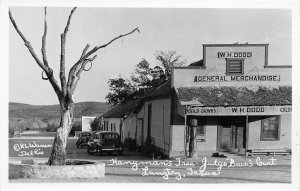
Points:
[230,96]
[235,101]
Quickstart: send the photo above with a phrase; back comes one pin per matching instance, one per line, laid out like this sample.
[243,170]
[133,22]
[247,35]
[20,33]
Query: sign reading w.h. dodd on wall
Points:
[234,54]
[247,110]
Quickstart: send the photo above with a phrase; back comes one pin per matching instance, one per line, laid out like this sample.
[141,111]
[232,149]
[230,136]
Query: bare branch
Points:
[76,76]
[27,43]
[84,50]
[44,39]
[62,74]
[47,70]
[78,67]
[105,45]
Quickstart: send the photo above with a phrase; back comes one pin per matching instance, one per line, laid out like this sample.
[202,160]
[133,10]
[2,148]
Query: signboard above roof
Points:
[251,54]
[233,65]
[234,55]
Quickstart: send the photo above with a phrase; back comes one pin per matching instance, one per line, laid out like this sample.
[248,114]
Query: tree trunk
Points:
[58,154]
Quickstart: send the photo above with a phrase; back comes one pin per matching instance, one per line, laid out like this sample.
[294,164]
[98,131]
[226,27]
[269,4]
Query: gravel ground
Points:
[279,173]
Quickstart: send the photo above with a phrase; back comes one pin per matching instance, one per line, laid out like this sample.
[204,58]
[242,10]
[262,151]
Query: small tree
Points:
[96,124]
[168,60]
[142,74]
[144,78]
[120,90]
[67,86]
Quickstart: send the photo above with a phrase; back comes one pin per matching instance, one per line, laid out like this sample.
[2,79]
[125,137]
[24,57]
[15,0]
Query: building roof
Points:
[235,96]
[161,91]
[121,110]
[197,63]
[133,104]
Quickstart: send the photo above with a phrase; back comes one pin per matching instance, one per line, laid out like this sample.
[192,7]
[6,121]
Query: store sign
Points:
[234,54]
[237,78]
[249,110]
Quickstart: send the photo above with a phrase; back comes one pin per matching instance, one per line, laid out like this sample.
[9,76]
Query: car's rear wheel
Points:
[89,150]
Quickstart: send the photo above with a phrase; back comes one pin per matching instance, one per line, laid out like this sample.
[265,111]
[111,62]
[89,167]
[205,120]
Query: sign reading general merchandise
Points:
[247,110]
[237,78]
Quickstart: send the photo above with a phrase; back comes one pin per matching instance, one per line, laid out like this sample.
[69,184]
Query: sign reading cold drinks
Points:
[249,110]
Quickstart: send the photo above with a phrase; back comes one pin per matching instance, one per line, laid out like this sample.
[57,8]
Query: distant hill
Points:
[47,117]
[21,110]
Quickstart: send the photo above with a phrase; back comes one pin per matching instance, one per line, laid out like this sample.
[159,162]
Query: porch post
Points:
[247,135]
[184,139]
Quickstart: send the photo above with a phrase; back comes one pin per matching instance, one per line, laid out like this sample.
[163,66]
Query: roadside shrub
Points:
[96,124]
[75,128]
[51,128]
[11,132]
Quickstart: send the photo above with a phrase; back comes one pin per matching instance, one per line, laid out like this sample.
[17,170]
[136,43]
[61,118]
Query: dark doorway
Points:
[149,121]
[232,133]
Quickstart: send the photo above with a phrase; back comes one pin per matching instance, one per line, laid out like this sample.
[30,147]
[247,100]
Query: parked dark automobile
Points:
[83,138]
[105,142]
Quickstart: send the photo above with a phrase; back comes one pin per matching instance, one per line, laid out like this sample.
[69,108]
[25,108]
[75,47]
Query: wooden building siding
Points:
[117,121]
[160,122]
[129,127]
[284,141]
[177,141]
[211,131]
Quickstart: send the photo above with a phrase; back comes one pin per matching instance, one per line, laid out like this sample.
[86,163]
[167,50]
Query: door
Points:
[140,132]
[226,138]
[231,137]
[240,136]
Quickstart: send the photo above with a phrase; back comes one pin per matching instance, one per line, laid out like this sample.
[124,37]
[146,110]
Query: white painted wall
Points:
[183,77]
[285,135]
[129,126]
[210,139]
[160,122]
[117,121]
[177,141]
[86,121]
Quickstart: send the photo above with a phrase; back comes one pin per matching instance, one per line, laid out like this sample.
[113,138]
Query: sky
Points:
[183,30]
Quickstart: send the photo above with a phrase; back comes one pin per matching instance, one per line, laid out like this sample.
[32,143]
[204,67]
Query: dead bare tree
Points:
[66,89]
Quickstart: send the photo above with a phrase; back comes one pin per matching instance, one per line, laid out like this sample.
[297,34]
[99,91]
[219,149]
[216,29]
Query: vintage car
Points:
[105,142]
[83,138]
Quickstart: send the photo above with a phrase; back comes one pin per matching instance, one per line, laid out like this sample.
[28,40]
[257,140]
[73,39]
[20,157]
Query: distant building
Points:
[120,119]
[86,122]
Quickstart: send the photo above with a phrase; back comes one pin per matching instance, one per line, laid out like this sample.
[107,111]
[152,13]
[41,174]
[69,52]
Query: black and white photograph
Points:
[183,94]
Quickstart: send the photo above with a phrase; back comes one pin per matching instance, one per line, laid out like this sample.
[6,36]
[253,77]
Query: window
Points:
[234,66]
[270,129]
[200,133]
[113,126]
[106,126]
